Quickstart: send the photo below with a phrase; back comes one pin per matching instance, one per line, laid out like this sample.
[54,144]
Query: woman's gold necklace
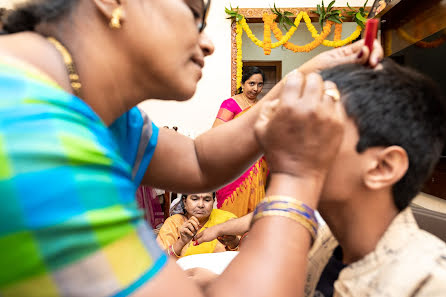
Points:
[69,65]
[246,100]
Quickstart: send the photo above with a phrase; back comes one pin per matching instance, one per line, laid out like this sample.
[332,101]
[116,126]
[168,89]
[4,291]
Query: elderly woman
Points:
[74,147]
[177,234]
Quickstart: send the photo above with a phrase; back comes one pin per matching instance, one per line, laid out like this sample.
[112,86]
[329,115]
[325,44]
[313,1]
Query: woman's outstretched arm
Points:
[223,153]
[274,258]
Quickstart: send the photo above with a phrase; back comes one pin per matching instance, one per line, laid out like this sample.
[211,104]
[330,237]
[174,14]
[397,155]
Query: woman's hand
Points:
[302,131]
[208,234]
[356,53]
[189,229]
[230,241]
[215,232]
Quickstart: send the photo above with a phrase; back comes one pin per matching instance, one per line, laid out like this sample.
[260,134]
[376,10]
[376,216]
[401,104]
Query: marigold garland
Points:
[239,61]
[308,47]
[268,19]
[269,22]
[345,41]
[288,35]
[271,25]
[249,33]
[337,32]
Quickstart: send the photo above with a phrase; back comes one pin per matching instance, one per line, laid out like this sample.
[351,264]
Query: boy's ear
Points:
[388,166]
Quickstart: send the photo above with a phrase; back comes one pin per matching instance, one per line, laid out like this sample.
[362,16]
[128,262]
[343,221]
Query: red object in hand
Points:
[371,28]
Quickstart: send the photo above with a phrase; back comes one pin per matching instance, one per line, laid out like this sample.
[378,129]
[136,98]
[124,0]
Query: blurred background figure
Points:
[242,195]
[178,232]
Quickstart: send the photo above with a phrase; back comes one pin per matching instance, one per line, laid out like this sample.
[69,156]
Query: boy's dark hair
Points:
[25,16]
[395,106]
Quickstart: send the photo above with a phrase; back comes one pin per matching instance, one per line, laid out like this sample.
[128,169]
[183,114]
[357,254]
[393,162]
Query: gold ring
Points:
[333,93]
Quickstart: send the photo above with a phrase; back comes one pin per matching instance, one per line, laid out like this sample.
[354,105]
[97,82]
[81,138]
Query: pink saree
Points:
[242,195]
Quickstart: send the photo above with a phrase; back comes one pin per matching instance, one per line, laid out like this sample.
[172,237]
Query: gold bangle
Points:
[234,249]
[289,207]
[284,206]
[172,250]
[289,200]
[297,218]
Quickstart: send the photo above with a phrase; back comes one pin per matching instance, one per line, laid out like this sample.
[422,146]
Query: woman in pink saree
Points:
[242,195]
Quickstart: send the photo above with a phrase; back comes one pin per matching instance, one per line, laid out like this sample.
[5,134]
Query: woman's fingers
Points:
[359,53]
[192,228]
[363,55]
[189,233]
[377,54]
[195,223]
[372,58]
[206,235]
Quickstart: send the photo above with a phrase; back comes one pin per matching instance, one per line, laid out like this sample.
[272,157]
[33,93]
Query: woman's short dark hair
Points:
[26,16]
[248,72]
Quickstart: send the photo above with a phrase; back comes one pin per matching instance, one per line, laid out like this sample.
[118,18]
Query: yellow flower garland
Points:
[310,46]
[249,33]
[267,20]
[271,25]
[238,40]
[345,41]
[284,39]
[337,32]
[329,43]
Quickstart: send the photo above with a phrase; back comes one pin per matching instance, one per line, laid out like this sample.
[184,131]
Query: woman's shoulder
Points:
[230,100]
[176,219]
[231,105]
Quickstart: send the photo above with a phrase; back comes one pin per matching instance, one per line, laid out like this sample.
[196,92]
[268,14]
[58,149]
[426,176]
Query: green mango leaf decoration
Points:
[328,13]
[283,18]
[358,15]
[233,14]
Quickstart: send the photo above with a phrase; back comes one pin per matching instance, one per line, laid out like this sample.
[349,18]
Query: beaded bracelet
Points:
[288,207]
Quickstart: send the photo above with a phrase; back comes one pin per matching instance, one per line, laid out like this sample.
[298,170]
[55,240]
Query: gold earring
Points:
[115,22]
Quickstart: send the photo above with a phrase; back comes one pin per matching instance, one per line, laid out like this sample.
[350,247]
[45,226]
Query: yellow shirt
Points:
[169,233]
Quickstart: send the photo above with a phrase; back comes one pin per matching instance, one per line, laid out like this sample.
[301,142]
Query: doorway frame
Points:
[274,63]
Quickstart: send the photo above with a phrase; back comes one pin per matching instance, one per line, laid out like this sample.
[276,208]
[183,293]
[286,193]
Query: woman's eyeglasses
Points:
[202,24]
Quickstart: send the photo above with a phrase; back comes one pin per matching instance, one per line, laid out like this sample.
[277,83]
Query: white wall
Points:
[198,114]
[5,3]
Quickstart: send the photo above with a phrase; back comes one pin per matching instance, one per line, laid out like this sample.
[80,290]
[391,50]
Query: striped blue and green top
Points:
[69,223]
